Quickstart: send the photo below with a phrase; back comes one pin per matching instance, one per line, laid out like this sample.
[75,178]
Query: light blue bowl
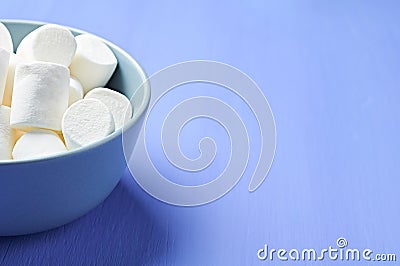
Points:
[40,194]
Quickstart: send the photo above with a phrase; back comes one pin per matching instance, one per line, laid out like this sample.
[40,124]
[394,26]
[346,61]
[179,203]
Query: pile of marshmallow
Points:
[52,93]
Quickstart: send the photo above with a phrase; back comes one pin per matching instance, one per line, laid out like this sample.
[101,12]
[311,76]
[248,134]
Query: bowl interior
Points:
[129,77]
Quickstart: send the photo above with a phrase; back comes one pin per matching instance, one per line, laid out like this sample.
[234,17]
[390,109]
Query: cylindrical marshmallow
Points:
[93,63]
[75,91]
[5,39]
[38,143]
[4,60]
[116,102]
[86,122]
[7,134]
[14,61]
[40,96]
[48,43]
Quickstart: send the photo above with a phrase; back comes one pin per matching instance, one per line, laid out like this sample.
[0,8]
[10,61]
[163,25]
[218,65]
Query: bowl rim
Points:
[136,116]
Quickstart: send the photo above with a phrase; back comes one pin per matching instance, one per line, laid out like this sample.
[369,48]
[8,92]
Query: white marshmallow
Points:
[38,143]
[93,63]
[4,60]
[116,102]
[14,61]
[75,91]
[85,122]
[49,43]
[5,39]
[7,134]
[40,96]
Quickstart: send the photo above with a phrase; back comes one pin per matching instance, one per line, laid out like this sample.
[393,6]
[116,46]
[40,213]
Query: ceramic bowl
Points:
[40,194]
